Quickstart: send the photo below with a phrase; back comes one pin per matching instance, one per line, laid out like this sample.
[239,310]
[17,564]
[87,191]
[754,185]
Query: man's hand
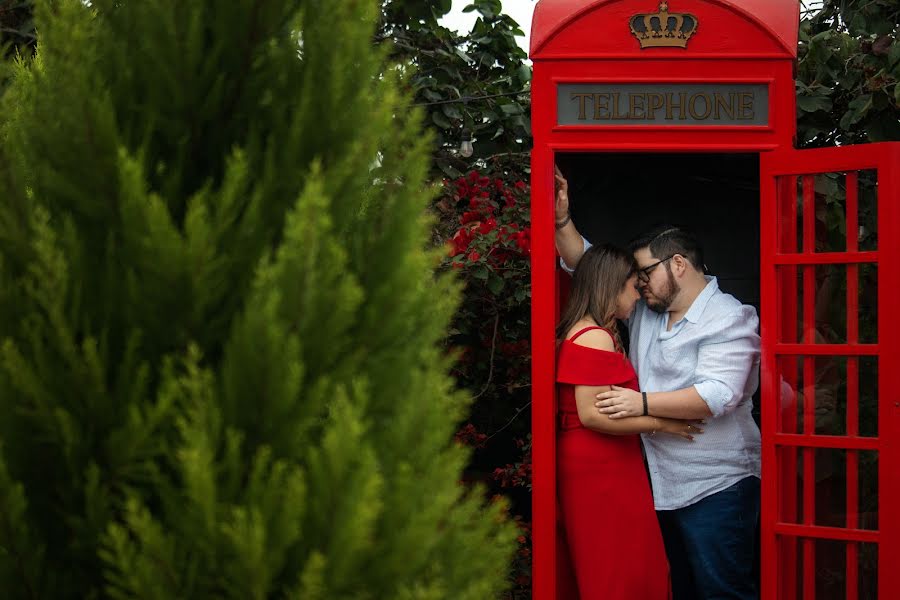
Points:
[620,403]
[562,196]
[686,430]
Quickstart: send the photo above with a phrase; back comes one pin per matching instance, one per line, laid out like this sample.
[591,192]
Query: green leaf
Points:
[857,109]
[449,170]
[488,8]
[495,284]
[461,53]
[525,73]
[452,111]
[486,59]
[826,186]
[813,103]
[894,54]
[513,108]
[883,130]
[441,121]
[857,24]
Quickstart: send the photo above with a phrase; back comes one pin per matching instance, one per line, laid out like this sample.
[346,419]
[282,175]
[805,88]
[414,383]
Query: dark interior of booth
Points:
[614,197]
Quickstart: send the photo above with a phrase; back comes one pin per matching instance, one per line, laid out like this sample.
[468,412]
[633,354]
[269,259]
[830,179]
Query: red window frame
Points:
[783,544]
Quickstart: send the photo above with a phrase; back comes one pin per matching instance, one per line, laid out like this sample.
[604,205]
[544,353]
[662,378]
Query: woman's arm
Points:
[619,403]
[585,396]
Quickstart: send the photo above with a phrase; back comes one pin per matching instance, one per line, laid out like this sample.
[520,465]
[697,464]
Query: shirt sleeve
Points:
[566,267]
[726,360]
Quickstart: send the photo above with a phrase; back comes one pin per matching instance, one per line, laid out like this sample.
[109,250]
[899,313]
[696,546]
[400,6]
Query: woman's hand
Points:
[562,196]
[620,403]
[683,429]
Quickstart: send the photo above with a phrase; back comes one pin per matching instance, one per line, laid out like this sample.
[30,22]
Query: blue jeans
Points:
[711,545]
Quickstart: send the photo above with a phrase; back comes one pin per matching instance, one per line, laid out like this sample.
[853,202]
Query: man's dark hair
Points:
[666,240]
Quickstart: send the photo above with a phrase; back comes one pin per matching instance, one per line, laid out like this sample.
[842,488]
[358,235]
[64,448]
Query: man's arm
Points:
[729,361]
[569,242]
[724,366]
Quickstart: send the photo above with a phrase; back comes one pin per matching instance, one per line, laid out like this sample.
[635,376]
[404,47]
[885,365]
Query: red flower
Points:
[469,217]
[523,241]
[474,256]
[487,226]
[460,242]
[469,436]
[520,185]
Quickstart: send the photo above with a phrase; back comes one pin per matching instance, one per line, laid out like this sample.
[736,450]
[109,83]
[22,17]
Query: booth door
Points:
[830,404]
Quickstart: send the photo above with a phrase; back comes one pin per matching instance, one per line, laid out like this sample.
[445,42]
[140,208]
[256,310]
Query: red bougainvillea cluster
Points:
[484,222]
[522,562]
[486,226]
[492,230]
[519,473]
[469,436]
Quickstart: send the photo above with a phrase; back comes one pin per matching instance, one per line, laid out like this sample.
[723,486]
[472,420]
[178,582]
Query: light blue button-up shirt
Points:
[715,348]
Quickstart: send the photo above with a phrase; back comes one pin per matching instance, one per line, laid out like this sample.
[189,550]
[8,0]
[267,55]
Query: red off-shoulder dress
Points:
[612,537]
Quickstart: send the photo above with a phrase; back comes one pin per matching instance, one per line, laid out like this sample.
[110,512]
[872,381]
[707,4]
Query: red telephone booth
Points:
[655,93]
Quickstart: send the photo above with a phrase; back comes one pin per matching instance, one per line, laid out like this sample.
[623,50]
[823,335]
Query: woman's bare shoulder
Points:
[598,339]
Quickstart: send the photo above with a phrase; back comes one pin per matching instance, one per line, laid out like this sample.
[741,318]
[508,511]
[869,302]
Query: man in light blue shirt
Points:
[696,352]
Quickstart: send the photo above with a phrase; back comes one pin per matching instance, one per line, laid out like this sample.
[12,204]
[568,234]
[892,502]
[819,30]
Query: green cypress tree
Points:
[220,373]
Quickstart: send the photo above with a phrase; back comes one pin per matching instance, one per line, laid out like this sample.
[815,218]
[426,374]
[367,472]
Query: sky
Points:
[519,10]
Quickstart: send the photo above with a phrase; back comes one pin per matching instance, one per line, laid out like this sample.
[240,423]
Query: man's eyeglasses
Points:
[644,274]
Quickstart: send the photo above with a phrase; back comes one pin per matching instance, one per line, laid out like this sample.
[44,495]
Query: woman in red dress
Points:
[611,535]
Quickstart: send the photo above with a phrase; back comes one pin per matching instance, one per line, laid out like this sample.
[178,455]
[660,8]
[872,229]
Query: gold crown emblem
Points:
[663,29]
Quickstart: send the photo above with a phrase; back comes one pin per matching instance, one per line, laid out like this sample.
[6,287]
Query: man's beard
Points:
[661,303]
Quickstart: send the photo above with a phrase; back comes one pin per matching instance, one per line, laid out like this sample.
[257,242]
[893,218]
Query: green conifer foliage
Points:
[220,373]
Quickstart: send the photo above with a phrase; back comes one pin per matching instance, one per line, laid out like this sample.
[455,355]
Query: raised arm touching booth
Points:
[684,113]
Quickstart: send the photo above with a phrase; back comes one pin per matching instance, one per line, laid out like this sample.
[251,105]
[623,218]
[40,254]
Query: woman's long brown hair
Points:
[598,280]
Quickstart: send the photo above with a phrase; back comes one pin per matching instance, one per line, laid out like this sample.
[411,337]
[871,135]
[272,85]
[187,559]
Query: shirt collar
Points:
[699,305]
